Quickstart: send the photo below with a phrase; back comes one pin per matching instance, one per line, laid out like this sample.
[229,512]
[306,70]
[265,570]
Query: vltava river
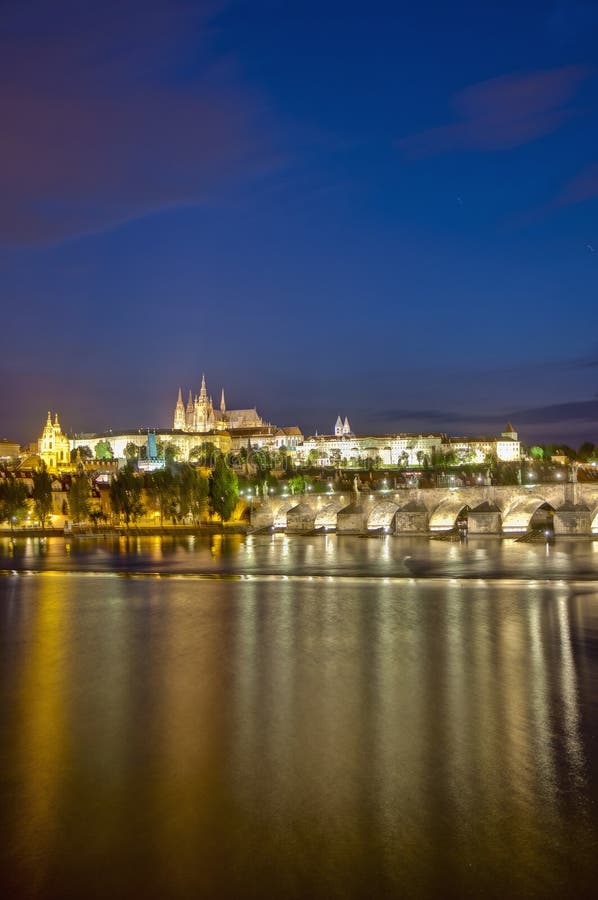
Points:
[298,718]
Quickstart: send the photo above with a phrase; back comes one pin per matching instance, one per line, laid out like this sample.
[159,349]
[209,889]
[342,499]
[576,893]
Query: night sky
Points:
[386,210]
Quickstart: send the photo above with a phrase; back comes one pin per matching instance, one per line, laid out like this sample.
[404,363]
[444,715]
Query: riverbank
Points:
[207,529]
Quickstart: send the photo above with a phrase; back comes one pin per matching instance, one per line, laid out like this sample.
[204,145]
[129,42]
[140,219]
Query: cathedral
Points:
[200,415]
[53,446]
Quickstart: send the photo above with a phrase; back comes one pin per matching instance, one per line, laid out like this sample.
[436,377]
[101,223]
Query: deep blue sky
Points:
[387,210]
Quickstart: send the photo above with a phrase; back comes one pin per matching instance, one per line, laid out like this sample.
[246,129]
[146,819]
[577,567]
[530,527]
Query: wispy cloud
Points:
[583,187]
[503,112]
[578,411]
[111,110]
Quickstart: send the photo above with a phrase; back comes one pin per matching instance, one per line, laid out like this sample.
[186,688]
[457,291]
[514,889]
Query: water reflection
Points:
[42,683]
[322,554]
[299,738]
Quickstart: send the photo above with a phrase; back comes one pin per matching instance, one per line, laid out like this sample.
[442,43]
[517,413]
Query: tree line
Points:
[178,493]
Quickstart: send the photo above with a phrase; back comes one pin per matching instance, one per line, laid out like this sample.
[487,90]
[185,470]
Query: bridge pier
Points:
[301,518]
[412,519]
[353,519]
[573,519]
[484,519]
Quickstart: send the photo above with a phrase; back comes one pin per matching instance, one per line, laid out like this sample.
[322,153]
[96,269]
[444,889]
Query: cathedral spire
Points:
[179,414]
[222,402]
[203,393]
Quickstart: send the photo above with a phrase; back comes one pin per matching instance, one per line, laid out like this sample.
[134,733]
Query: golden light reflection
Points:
[569,690]
[42,727]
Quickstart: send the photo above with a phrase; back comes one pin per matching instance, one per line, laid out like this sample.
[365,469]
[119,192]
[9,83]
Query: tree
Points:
[205,453]
[125,495]
[162,486]
[536,452]
[281,458]
[224,489]
[83,452]
[171,452]
[131,451]
[262,462]
[506,472]
[297,484]
[193,494]
[42,494]
[586,451]
[104,450]
[13,499]
[79,498]
[449,458]
[313,457]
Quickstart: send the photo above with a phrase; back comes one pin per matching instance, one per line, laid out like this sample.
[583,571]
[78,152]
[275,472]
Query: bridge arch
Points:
[518,516]
[326,515]
[382,516]
[444,516]
[280,509]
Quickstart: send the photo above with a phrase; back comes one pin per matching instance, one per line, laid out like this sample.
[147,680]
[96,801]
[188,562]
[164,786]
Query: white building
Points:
[409,450]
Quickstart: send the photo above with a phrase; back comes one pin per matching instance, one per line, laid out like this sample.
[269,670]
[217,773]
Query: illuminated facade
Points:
[53,445]
[406,449]
[200,416]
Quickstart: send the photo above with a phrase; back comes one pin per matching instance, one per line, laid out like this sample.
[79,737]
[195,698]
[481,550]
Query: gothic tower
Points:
[204,411]
[180,422]
[189,413]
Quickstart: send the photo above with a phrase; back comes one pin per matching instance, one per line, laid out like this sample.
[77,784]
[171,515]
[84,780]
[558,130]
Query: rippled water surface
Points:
[298,717]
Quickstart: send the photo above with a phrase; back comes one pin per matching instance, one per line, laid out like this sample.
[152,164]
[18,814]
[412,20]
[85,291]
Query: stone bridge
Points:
[489,510]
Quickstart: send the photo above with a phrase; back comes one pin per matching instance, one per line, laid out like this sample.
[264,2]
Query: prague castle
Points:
[199,415]
[200,422]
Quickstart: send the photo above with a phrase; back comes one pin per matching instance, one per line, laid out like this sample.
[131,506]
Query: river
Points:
[298,717]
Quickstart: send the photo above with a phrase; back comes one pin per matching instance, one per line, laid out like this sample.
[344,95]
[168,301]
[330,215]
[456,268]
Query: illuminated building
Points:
[200,416]
[9,449]
[53,445]
[406,449]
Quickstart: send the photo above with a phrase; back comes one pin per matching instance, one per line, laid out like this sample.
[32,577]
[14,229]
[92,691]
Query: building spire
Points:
[179,414]
[222,402]
[203,393]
